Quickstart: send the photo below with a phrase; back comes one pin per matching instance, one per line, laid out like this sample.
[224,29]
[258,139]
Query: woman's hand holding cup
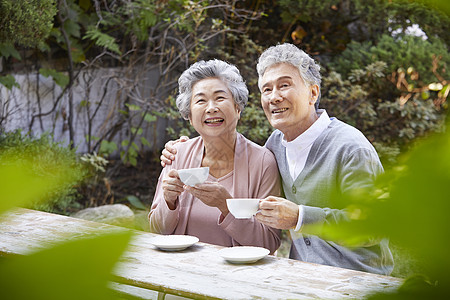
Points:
[172,187]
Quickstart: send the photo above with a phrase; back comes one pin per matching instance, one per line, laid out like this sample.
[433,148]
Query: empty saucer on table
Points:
[243,254]
[174,242]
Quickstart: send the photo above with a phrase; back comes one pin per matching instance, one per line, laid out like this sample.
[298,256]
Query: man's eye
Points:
[200,101]
[266,90]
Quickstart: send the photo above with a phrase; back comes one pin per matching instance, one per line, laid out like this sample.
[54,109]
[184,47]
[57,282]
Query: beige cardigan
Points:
[255,176]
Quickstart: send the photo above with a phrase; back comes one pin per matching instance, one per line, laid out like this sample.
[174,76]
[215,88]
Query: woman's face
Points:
[213,110]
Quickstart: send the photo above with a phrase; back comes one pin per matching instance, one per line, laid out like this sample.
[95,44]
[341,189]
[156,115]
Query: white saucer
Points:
[174,242]
[243,254]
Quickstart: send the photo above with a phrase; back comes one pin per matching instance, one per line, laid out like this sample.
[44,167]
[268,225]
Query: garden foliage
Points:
[378,76]
[26,23]
[54,168]
[385,67]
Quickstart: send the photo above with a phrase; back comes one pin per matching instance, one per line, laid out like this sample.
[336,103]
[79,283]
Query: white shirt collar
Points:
[311,134]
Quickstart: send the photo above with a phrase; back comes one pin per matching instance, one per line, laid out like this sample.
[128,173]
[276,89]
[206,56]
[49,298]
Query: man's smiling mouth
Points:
[279,110]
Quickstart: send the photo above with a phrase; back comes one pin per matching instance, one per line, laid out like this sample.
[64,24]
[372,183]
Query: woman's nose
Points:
[212,107]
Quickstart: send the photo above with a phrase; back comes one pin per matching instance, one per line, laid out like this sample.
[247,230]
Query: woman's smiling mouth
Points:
[214,121]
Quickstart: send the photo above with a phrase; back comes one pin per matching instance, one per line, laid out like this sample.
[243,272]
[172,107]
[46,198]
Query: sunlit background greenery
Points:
[378,76]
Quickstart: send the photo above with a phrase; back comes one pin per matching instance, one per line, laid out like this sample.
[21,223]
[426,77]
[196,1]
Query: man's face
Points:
[287,101]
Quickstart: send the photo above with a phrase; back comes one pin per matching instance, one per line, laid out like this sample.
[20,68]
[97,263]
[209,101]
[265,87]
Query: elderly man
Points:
[316,156]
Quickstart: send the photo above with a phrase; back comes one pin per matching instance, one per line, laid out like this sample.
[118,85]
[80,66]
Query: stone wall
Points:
[97,98]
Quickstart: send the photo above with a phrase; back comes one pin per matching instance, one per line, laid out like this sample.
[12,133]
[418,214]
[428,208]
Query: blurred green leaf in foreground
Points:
[410,206]
[73,269]
[19,185]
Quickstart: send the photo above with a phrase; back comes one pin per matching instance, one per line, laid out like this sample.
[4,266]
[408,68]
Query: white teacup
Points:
[243,208]
[193,176]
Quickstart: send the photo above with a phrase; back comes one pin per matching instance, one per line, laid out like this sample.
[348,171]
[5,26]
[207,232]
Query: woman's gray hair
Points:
[214,68]
[288,53]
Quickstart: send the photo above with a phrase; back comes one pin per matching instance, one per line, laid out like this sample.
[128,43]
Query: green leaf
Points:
[76,50]
[149,118]
[133,107]
[19,187]
[85,4]
[425,95]
[107,147]
[60,78]
[145,142]
[444,90]
[72,270]
[137,131]
[149,19]
[133,161]
[102,39]
[159,114]
[8,49]
[72,28]
[135,202]
[92,138]
[9,81]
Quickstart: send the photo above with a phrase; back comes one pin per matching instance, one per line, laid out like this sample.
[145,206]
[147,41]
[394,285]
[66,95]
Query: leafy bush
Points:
[385,90]
[403,51]
[47,159]
[26,22]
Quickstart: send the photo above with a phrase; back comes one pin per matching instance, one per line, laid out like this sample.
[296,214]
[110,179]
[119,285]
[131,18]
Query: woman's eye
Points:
[200,101]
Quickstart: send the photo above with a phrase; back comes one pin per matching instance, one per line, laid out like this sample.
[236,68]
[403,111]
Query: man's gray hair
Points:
[288,53]
[214,68]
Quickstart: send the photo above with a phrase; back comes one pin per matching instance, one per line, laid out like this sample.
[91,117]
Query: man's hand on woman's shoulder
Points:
[169,151]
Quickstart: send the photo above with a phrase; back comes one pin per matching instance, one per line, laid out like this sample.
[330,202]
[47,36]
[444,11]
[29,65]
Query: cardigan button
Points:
[294,189]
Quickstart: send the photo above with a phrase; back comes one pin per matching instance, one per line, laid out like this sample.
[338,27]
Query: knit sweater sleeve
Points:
[357,170]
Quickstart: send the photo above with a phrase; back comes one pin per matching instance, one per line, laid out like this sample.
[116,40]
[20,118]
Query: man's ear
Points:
[314,94]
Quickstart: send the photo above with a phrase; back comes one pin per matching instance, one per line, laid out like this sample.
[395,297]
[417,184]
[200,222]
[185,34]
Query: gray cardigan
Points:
[340,159]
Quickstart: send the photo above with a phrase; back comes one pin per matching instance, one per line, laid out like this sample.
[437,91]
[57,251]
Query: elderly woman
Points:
[212,95]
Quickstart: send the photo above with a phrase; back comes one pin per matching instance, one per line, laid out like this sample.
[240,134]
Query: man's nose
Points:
[275,96]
